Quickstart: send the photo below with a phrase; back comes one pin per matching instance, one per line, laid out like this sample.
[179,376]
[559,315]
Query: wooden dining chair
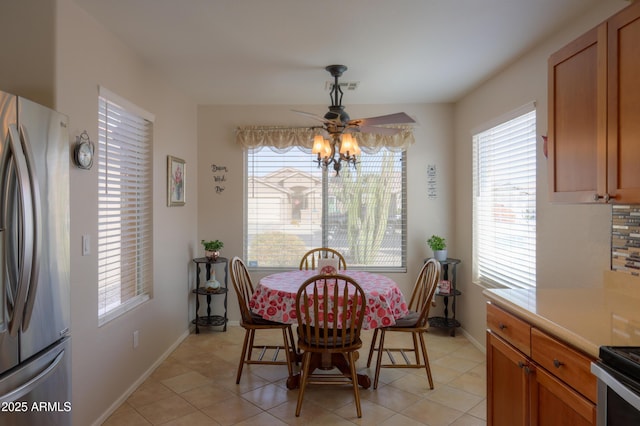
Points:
[416,322]
[330,310]
[252,322]
[314,257]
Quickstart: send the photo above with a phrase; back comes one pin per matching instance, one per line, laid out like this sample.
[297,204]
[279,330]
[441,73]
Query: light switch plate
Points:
[86,245]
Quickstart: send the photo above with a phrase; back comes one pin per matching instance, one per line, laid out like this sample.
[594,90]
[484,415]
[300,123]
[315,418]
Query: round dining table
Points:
[275,296]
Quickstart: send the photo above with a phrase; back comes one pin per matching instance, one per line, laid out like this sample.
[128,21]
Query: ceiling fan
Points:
[340,127]
[336,120]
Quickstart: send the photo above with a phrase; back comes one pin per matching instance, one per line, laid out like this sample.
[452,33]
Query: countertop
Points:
[585,318]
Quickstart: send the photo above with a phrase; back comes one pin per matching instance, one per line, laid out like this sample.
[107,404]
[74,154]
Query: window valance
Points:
[286,137]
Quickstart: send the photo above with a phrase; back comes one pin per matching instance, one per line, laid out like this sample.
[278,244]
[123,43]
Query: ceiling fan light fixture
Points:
[348,145]
[318,144]
[342,145]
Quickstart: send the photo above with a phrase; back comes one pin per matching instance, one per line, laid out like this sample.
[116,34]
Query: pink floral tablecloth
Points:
[275,297]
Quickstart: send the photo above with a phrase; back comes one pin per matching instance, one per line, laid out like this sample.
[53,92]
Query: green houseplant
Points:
[439,247]
[212,248]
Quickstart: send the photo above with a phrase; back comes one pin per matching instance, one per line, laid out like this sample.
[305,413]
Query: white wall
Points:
[220,216]
[105,365]
[572,240]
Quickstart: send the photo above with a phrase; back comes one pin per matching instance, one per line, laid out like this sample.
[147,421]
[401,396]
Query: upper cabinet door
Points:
[624,105]
[577,119]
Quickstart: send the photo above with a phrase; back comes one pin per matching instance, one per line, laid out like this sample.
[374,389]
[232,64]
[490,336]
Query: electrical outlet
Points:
[135,339]
[86,245]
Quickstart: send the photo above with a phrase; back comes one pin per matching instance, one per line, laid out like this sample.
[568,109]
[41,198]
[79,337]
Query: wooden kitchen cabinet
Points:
[543,382]
[508,384]
[577,119]
[555,403]
[594,101]
[623,108]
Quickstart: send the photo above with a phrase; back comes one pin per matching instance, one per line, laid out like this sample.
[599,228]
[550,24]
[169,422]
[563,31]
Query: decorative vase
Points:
[213,284]
[211,255]
[440,255]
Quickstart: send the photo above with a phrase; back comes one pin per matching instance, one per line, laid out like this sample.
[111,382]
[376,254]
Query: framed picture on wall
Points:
[176,183]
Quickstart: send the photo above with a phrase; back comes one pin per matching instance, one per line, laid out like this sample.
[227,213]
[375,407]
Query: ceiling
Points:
[256,52]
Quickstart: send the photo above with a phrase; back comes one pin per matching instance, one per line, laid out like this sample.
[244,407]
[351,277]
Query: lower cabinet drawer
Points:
[510,328]
[569,365]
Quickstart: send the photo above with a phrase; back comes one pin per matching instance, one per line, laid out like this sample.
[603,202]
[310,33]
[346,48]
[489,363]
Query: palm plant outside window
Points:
[293,206]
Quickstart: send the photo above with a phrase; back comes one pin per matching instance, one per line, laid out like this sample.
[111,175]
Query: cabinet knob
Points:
[525,367]
[557,363]
[501,326]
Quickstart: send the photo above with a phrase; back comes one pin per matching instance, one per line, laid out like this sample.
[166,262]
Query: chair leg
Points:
[252,335]
[373,344]
[354,379]
[379,361]
[306,360]
[426,360]
[287,353]
[293,346]
[243,355]
[415,348]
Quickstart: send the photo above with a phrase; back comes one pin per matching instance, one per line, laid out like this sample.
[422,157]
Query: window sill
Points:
[122,309]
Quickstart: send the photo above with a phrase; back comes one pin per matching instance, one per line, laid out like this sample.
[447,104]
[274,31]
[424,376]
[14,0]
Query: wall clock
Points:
[83,153]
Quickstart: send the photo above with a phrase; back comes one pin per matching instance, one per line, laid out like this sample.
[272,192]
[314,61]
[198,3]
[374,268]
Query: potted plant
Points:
[439,247]
[212,249]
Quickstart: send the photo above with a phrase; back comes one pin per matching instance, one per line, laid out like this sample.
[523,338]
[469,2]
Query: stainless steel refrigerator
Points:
[35,343]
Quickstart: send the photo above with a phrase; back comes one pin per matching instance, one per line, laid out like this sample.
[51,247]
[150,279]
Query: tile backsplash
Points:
[625,238]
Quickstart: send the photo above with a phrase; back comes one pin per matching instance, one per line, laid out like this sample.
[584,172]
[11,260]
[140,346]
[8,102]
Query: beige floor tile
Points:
[150,391]
[480,410]
[197,418]
[371,413]
[126,415]
[165,410]
[186,382]
[390,397]
[454,398]
[205,396]
[262,419]
[467,420]
[309,412]
[432,413]
[231,411]
[400,420]
[470,382]
[196,385]
[269,396]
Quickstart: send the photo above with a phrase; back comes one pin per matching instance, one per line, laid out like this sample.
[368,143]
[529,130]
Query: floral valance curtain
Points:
[282,138]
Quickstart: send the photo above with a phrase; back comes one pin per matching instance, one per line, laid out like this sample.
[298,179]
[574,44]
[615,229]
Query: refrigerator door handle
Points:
[30,385]
[25,228]
[36,226]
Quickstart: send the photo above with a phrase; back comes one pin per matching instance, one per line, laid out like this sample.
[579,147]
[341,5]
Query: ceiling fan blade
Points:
[397,118]
[379,130]
[310,115]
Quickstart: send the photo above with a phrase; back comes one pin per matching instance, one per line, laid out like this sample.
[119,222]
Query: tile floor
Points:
[196,386]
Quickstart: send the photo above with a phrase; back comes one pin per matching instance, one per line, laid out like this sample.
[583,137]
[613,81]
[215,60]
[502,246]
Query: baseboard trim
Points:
[474,342]
[117,403]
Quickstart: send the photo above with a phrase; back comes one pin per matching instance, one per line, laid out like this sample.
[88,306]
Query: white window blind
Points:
[504,208]
[124,208]
[294,206]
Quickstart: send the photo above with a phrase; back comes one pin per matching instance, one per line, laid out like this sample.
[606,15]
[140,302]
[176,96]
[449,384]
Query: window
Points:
[125,238]
[293,206]
[504,208]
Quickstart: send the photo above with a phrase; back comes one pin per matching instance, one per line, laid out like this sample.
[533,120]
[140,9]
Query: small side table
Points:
[448,273]
[210,320]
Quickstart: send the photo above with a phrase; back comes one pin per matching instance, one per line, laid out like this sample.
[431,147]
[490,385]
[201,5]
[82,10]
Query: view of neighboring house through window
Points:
[294,206]
[504,202]
[125,237]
